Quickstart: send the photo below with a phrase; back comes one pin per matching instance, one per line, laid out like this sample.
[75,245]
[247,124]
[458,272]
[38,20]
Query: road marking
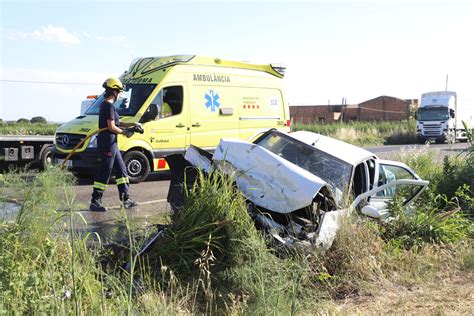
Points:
[141,203]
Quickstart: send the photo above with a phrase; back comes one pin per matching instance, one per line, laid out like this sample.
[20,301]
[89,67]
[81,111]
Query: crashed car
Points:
[298,185]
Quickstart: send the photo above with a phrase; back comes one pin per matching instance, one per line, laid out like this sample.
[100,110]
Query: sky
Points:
[55,53]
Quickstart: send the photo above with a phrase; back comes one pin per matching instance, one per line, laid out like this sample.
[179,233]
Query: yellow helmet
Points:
[113,83]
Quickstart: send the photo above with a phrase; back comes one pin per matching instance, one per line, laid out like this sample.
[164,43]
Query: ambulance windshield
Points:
[129,101]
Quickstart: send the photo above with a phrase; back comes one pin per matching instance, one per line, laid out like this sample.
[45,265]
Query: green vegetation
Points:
[366,133]
[212,260]
[38,119]
[25,127]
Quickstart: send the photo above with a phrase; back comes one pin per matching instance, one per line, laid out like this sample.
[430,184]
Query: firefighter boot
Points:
[128,203]
[97,206]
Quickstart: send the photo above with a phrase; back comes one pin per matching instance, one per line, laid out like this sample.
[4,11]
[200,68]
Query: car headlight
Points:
[93,142]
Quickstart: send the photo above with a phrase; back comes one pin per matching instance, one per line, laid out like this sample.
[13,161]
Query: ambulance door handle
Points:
[180,125]
[196,125]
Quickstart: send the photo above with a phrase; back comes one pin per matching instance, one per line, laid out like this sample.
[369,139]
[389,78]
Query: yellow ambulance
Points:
[180,100]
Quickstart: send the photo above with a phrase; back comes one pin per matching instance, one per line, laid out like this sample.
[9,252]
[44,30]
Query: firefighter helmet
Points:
[113,83]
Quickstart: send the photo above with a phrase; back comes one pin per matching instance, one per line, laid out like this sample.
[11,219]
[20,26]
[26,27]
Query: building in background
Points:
[382,108]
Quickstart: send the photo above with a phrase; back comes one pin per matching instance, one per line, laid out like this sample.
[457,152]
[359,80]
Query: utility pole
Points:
[446,82]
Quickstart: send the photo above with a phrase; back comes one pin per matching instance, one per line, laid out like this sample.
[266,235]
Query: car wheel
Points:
[137,166]
[46,159]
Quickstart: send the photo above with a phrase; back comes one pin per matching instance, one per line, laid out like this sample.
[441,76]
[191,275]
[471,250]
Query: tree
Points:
[38,119]
[23,120]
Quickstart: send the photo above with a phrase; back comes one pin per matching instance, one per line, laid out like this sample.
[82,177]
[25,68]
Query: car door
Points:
[392,178]
[167,132]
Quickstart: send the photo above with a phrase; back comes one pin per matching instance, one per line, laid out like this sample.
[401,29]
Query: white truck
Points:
[438,118]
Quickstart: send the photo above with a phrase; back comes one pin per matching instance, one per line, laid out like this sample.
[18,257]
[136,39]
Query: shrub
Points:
[38,119]
[23,121]
[427,224]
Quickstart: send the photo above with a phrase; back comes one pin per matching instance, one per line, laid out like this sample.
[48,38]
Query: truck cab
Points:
[436,117]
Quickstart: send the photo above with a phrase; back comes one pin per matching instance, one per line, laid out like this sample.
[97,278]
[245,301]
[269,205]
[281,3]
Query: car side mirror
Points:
[150,114]
[371,211]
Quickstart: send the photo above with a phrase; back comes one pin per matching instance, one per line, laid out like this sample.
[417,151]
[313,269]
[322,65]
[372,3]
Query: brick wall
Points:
[383,108]
[311,114]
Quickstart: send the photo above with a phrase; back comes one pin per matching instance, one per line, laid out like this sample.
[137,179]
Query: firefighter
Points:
[111,159]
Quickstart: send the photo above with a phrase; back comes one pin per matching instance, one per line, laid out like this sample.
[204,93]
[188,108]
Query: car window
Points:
[405,191]
[329,168]
[169,101]
[389,173]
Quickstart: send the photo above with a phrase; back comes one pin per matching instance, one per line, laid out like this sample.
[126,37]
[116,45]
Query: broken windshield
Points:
[128,102]
[329,168]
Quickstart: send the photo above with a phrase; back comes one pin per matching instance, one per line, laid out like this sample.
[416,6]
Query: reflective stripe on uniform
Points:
[100,185]
[123,180]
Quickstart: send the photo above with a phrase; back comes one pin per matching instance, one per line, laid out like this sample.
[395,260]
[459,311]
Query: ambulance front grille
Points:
[68,141]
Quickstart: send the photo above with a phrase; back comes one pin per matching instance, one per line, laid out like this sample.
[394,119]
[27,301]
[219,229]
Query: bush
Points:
[427,224]
[38,119]
[23,121]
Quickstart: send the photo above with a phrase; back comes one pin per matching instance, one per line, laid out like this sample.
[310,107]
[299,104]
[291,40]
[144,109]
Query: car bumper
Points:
[87,161]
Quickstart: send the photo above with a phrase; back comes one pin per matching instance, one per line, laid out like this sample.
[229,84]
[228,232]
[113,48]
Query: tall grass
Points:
[366,133]
[13,128]
[213,245]
[46,266]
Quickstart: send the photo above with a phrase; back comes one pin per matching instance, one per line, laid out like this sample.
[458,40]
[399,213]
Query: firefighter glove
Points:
[128,132]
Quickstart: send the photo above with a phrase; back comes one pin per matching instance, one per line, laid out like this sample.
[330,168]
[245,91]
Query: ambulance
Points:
[180,100]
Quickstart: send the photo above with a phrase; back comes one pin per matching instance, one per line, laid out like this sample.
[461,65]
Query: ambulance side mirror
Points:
[150,114]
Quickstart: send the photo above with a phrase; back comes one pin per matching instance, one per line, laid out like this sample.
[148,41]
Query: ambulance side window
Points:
[169,102]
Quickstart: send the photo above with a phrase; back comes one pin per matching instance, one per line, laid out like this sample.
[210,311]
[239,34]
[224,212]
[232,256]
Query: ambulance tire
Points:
[137,166]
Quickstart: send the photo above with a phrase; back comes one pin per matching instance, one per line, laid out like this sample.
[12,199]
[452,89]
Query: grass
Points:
[212,260]
[366,133]
[13,128]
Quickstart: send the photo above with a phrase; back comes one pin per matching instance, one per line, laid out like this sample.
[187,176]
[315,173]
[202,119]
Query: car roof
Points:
[342,150]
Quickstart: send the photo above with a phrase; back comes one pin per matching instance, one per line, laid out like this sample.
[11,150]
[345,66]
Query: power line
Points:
[48,82]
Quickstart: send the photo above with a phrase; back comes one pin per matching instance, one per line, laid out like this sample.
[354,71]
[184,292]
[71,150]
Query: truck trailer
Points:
[25,150]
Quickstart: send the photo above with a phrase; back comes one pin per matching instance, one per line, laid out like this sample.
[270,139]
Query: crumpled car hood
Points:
[266,179]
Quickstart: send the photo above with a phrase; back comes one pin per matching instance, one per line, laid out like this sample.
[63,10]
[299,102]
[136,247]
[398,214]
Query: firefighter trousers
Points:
[111,161]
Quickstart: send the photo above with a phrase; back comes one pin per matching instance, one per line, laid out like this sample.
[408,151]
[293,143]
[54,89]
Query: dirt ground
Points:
[450,295]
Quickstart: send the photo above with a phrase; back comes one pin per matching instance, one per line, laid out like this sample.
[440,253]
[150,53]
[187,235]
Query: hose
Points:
[135,129]
[81,143]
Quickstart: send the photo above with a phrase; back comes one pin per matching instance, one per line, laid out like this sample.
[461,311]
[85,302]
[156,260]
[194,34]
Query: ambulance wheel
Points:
[137,166]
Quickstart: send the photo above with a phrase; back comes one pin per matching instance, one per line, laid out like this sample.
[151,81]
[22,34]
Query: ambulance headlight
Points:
[93,142]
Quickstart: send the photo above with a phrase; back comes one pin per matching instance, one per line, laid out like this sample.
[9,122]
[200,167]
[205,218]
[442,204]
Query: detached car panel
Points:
[266,179]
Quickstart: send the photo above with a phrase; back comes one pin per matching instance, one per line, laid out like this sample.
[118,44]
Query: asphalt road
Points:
[151,194]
